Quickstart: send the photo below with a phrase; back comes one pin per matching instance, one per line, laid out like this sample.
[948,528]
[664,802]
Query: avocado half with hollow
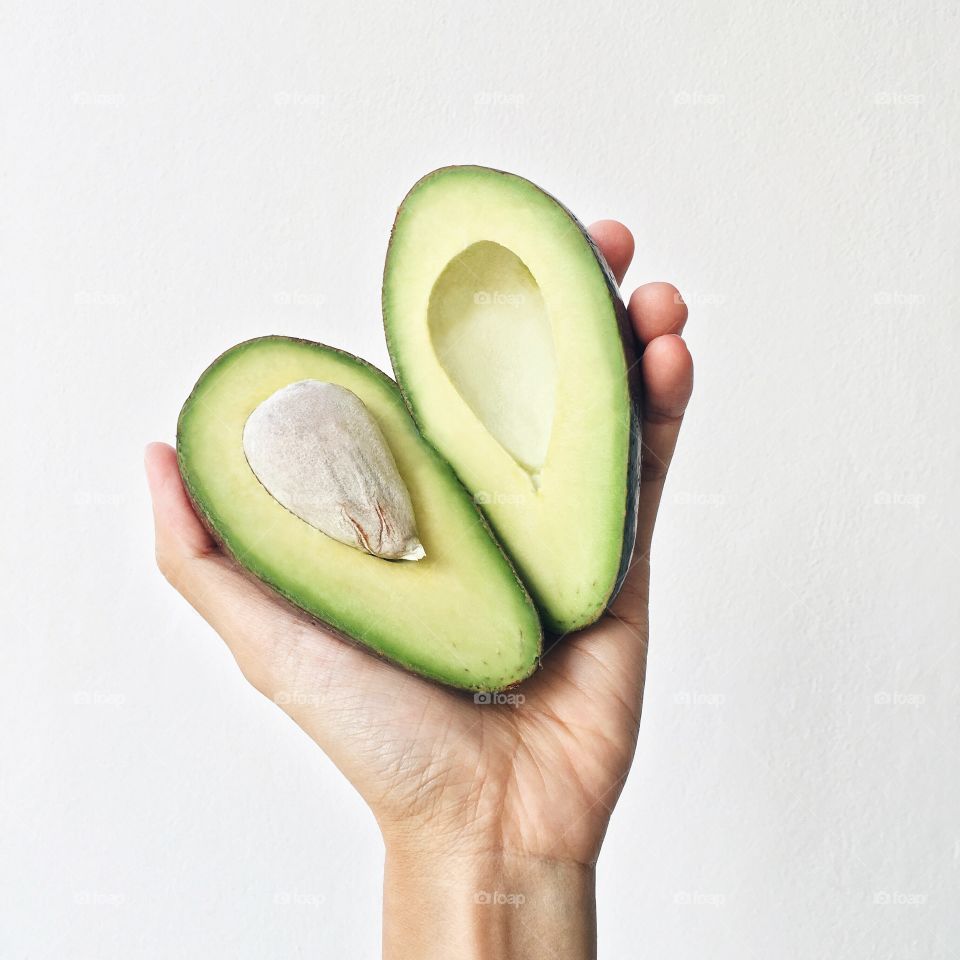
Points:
[454,610]
[511,345]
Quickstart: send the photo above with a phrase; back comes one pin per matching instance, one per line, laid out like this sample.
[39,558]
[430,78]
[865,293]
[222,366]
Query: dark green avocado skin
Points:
[634,384]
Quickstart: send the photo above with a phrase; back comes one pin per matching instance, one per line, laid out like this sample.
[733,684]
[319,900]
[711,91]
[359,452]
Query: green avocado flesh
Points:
[508,338]
[459,615]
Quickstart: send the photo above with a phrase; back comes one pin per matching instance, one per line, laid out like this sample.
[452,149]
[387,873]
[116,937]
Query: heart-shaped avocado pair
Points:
[514,433]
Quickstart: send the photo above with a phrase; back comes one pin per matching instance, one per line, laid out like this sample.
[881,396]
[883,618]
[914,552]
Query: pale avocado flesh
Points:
[508,339]
[459,615]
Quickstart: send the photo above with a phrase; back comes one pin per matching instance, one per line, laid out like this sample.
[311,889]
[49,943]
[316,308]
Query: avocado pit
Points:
[318,452]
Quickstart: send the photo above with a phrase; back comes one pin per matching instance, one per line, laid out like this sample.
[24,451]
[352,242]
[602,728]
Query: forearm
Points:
[492,906]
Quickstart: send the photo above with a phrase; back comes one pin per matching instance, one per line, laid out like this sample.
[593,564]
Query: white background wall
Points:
[178,176]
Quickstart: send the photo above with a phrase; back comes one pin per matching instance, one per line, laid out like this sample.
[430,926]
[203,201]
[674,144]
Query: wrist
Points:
[489,903]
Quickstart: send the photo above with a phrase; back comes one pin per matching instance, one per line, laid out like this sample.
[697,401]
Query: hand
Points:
[475,801]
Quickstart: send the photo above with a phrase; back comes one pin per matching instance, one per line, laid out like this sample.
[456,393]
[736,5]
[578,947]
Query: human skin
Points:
[492,815]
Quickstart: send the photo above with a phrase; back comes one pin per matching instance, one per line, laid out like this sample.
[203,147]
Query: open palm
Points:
[537,774]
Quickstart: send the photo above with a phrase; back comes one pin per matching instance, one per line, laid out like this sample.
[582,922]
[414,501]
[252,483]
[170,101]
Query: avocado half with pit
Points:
[407,566]
[511,345]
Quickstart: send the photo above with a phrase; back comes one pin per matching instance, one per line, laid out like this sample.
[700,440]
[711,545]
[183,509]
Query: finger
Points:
[175,523]
[658,315]
[616,244]
[667,370]
[656,309]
